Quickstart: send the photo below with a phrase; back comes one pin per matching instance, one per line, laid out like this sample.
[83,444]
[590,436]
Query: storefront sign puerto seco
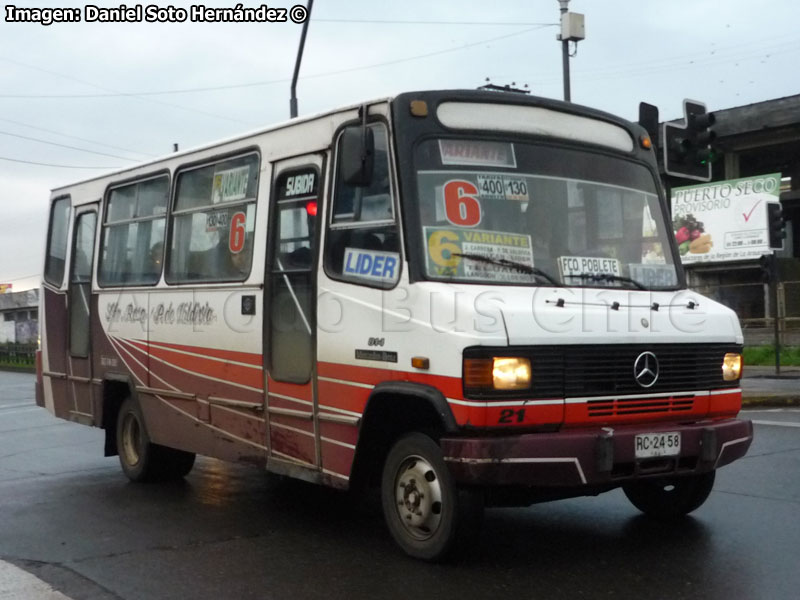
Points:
[724,220]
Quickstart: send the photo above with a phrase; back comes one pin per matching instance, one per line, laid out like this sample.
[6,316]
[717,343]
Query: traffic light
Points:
[765,265]
[687,145]
[648,118]
[776,225]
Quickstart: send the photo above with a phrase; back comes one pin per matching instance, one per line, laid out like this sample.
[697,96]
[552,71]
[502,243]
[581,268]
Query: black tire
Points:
[173,464]
[670,497]
[142,460]
[426,513]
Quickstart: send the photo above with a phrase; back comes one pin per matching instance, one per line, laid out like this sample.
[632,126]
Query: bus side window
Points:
[80,289]
[213,222]
[57,242]
[363,242]
[133,233]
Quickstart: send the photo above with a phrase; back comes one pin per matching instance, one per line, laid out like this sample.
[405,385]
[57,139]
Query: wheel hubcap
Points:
[131,439]
[418,495]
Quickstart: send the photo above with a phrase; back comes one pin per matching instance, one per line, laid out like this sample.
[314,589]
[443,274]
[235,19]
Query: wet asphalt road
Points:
[69,516]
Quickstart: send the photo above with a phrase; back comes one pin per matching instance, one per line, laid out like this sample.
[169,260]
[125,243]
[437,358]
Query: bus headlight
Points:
[498,373]
[732,367]
[511,373]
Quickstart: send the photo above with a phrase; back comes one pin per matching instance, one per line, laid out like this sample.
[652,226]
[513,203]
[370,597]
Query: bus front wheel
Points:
[142,460]
[425,512]
[671,497]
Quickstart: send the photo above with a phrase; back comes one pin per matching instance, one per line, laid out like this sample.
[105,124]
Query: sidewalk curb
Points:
[770,400]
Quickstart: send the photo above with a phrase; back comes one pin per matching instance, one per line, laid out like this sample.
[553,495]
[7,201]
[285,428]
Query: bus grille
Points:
[621,407]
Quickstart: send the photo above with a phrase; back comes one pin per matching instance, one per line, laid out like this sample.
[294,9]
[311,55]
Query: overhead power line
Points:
[74,137]
[32,139]
[287,79]
[649,67]
[115,93]
[30,162]
[716,56]
[409,22]
[328,74]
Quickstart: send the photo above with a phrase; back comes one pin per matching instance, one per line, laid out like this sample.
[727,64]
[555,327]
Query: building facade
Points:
[19,317]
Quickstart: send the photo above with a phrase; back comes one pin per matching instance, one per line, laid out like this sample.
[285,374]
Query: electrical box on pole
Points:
[687,145]
[573,27]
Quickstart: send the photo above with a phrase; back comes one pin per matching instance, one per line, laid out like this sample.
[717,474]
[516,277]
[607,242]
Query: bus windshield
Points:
[538,214]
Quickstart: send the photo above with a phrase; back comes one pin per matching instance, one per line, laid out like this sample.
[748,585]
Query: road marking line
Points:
[16,583]
[777,423]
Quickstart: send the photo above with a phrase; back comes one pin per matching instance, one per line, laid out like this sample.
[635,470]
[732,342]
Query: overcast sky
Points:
[92,86]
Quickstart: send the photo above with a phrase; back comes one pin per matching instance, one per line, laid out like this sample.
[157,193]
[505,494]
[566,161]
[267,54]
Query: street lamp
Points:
[572,30]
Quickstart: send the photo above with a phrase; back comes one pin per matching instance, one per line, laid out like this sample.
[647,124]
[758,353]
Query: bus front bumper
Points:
[587,457]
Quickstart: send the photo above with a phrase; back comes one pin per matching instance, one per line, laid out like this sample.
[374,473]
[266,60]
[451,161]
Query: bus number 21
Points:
[509,415]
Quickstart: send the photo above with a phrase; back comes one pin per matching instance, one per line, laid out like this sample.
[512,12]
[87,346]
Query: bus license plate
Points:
[653,445]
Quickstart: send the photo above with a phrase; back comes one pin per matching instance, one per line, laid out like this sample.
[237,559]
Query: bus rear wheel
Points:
[670,497]
[426,513]
[142,460]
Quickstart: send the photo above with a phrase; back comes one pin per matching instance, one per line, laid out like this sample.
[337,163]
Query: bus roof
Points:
[431,95]
[236,138]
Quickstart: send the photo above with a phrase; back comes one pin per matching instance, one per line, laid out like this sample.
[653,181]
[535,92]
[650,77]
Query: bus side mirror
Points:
[357,156]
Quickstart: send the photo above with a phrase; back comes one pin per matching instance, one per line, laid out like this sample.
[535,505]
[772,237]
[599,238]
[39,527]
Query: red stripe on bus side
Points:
[339,431]
[467,415]
[337,458]
[449,386]
[231,355]
[291,443]
[224,371]
[343,396]
[127,354]
[162,374]
[293,390]
[302,424]
[353,398]
[277,402]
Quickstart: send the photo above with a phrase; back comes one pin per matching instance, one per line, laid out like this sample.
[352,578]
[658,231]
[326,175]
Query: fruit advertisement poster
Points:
[724,220]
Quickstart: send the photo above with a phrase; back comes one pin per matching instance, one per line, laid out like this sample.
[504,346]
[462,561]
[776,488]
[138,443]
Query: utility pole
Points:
[293,99]
[565,51]
[572,30]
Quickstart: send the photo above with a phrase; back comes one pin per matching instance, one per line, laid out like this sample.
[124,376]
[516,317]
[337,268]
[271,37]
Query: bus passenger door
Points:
[290,313]
[79,309]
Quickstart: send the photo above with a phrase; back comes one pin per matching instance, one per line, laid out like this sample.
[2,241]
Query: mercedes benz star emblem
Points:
[645,369]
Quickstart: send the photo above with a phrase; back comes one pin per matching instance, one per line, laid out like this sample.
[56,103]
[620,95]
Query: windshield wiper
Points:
[608,277]
[504,262]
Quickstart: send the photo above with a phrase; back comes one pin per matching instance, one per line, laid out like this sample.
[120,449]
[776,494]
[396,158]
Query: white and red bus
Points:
[468,298]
